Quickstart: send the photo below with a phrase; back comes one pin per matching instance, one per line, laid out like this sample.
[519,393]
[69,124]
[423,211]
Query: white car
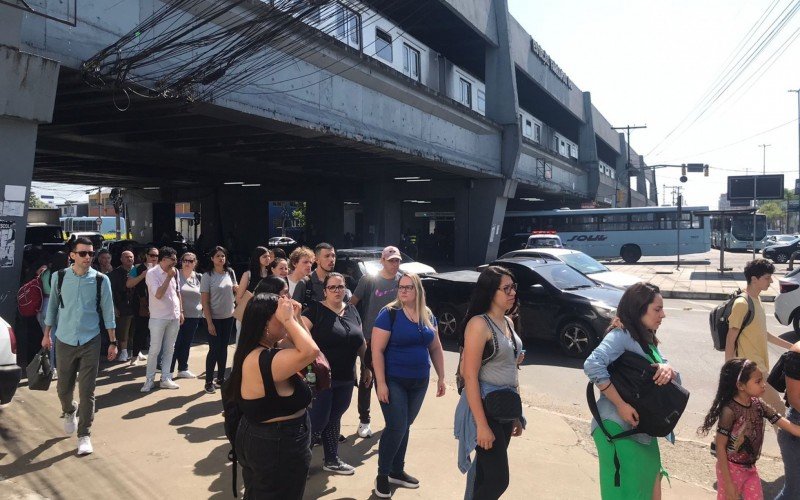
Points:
[280,241]
[787,303]
[581,263]
[10,373]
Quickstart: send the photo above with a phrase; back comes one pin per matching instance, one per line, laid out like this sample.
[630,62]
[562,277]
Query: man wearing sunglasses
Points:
[76,312]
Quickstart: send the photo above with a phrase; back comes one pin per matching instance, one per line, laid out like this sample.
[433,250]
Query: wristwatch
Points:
[114,343]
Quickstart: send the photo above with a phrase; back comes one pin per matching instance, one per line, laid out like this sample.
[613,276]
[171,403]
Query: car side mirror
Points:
[537,289]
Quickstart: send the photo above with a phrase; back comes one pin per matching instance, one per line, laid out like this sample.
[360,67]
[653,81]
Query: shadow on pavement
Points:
[25,464]
[172,403]
[354,451]
[716,276]
[217,464]
[198,411]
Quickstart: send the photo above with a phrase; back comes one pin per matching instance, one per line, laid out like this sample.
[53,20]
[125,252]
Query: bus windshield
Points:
[742,228]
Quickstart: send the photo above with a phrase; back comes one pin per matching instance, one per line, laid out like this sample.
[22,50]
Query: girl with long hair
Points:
[258,268]
[401,350]
[741,412]
[639,315]
[491,353]
[272,441]
[217,291]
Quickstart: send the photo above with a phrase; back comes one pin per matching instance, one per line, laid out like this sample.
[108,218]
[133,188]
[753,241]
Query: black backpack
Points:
[232,415]
[659,406]
[718,320]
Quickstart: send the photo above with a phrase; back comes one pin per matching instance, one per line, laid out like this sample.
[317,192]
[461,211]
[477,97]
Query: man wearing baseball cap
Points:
[372,294]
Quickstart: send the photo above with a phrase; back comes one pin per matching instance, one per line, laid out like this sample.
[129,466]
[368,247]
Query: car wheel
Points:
[781,258]
[576,339]
[448,322]
[630,253]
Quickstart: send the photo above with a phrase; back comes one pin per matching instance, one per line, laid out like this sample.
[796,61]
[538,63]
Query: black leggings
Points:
[218,349]
[491,466]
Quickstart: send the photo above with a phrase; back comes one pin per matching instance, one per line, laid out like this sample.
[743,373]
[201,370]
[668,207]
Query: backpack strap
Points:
[392,317]
[99,285]
[596,414]
[61,274]
[495,344]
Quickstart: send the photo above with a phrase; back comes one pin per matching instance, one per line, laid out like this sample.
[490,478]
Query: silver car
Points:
[581,263]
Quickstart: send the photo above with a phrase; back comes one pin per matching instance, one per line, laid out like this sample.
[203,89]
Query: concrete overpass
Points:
[476,114]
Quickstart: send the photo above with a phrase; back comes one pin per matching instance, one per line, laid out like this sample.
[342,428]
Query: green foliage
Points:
[299,213]
[36,202]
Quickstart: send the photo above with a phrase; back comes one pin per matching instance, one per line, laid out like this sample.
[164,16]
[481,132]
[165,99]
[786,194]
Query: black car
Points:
[782,251]
[556,302]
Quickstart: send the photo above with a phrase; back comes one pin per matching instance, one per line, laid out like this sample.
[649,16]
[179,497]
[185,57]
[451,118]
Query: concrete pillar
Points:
[587,148]
[480,210]
[27,94]
[325,217]
[382,214]
[622,173]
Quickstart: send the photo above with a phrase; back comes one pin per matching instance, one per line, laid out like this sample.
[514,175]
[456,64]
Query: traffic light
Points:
[683,174]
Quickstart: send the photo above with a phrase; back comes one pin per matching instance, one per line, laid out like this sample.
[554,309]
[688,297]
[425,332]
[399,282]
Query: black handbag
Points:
[40,374]
[503,405]
[777,376]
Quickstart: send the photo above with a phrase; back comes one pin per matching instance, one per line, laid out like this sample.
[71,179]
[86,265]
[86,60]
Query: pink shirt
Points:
[168,306]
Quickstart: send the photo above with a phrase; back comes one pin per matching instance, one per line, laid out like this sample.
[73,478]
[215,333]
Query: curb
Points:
[685,294]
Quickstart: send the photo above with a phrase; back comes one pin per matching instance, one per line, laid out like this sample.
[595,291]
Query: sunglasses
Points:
[335,288]
[152,255]
[509,288]
[84,253]
[189,261]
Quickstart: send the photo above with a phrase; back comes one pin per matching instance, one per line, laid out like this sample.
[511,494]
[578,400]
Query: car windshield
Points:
[583,263]
[564,277]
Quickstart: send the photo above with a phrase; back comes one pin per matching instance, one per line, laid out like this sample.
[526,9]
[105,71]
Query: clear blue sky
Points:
[650,62]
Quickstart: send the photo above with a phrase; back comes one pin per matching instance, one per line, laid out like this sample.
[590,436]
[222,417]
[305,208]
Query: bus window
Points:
[643,221]
[618,222]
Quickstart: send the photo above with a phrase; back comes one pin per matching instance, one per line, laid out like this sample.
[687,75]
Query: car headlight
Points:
[605,310]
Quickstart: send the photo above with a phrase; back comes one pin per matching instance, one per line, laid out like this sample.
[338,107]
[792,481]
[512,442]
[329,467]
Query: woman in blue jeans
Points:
[790,445]
[404,340]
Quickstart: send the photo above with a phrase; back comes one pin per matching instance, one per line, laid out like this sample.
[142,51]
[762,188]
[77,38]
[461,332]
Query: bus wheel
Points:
[781,258]
[630,253]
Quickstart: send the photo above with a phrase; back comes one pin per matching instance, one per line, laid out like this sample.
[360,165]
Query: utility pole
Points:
[797,91]
[764,162]
[628,129]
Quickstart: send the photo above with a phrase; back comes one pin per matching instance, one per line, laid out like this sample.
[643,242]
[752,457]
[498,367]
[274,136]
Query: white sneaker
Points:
[123,356]
[168,384]
[71,421]
[84,445]
[142,357]
[148,385]
[185,374]
[364,431]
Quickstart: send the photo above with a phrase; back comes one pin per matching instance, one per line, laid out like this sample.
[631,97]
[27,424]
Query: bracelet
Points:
[606,387]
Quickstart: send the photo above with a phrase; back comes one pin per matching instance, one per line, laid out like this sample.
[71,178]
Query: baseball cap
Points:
[390,253]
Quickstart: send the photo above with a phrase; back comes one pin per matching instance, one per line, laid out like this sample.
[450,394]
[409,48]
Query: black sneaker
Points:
[210,388]
[382,489]
[339,467]
[218,383]
[404,480]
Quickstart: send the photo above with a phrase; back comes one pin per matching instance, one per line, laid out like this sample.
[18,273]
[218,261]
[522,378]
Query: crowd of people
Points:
[286,314]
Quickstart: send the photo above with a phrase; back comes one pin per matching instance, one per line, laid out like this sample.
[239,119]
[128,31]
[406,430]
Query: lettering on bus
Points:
[591,237]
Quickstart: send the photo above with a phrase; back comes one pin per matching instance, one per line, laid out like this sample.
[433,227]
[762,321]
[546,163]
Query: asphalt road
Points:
[552,381]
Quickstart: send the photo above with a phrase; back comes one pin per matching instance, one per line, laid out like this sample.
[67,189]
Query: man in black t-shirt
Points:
[124,301]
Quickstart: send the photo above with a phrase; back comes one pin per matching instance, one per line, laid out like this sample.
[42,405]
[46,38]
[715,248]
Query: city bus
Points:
[738,231]
[629,233]
[108,226]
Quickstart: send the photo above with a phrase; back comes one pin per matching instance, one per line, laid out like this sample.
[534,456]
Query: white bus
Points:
[620,232]
[108,226]
[738,231]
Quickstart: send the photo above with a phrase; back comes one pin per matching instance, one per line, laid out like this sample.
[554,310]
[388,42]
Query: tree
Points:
[35,202]
[299,213]
[774,211]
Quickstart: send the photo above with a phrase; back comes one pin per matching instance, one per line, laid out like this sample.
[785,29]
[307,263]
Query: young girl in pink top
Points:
[740,432]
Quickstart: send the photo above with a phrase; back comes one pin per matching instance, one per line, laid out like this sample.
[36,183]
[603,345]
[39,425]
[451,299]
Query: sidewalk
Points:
[699,276]
[171,444]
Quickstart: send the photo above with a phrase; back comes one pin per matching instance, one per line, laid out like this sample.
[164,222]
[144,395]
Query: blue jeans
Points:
[326,413]
[183,343]
[218,349]
[405,400]
[790,451]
